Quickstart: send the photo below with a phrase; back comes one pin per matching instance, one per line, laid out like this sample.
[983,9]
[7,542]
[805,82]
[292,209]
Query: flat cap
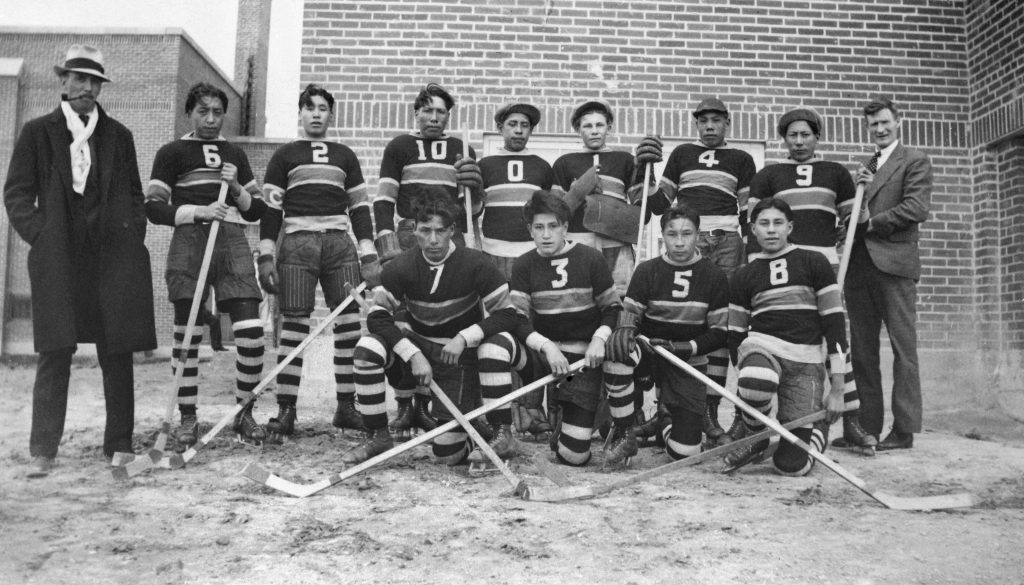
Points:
[808,115]
[711,104]
[531,113]
[591,106]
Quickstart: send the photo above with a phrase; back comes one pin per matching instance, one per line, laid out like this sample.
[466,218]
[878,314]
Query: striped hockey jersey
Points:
[715,182]
[568,297]
[789,302]
[315,185]
[186,174]
[681,302]
[510,178]
[411,159]
[820,193]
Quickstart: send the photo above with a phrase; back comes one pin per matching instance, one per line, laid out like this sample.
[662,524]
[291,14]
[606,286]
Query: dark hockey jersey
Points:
[315,185]
[567,297]
[681,302]
[186,173]
[411,159]
[715,182]
[443,299]
[789,302]
[820,192]
[510,178]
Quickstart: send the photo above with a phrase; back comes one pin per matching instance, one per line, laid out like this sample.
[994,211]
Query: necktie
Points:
[873,163]
[84,118]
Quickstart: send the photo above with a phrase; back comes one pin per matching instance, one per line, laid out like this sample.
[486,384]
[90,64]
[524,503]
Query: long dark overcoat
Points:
[36,195]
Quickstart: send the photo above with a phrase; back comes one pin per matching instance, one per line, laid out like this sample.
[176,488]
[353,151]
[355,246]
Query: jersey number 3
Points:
[560,266]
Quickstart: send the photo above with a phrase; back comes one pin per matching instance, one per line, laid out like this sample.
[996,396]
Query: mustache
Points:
[87,95]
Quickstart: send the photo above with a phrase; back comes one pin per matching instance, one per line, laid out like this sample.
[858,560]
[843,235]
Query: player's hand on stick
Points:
[421,369]
[369,269]
[229,174]
[649,150]
[621,343]
[555,358]
[835,402]
[595,353]
[467,174]
[864,176]
[268,273]
[215,211]
[452,350]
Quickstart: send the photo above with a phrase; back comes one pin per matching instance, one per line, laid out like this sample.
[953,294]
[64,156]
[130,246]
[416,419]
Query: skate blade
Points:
[481,469]
[239,438]
[761,457]
[618,465]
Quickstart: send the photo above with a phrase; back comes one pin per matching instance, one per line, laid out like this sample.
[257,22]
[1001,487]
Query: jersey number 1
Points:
[438,149]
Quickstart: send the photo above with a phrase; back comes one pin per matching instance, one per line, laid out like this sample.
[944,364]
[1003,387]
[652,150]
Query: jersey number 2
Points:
[319,152]
[560,266]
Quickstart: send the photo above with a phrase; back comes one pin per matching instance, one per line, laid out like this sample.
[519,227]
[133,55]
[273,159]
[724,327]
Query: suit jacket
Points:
[36,195]
[898,200]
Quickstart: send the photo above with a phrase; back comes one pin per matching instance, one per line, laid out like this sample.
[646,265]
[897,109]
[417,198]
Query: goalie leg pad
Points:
[298,289]
[573,446]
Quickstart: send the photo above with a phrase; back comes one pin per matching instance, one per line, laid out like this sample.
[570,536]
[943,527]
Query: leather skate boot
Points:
[712,430]
[747,454]
[421,418]
[401,425]
[247,429]
[504,445]
[622,447]
[855,437]
[283,424]
[187,433]
[737,430]
[346,416]
[376,442]
[652,429]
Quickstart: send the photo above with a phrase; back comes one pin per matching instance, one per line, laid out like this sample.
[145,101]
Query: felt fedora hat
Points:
[83,59]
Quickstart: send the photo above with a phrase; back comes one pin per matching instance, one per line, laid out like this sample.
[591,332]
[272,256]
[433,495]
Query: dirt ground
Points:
[414,521]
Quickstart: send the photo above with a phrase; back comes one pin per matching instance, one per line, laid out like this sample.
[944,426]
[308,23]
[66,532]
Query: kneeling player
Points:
[445,290]
[679,300]
[567,290]
[782,305]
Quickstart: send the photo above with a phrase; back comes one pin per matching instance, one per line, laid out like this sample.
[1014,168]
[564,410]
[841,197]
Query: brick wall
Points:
[654,61]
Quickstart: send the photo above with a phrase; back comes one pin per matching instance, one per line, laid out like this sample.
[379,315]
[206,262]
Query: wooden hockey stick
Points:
[643,213]
[565,493]
[518,485]
[259,474]
[156,453]
[961,500]
[851,229]
[176,460]
[470,232]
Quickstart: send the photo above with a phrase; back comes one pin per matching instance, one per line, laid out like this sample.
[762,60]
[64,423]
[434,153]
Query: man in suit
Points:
[73,193]
[885,265]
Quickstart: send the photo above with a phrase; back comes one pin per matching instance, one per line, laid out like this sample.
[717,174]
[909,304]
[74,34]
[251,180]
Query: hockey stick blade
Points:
[555,495]
[259,474]
[889,501]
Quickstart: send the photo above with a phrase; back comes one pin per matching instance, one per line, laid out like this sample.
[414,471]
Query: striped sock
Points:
[293,331]
[249,361]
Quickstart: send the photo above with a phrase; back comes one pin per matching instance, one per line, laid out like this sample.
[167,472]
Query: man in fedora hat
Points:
[73,193]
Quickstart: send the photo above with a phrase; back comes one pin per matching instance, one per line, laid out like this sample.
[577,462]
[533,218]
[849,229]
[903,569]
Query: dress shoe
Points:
[897,440]
[41,467]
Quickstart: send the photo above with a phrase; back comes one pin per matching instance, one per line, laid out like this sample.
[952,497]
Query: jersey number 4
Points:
[707,158]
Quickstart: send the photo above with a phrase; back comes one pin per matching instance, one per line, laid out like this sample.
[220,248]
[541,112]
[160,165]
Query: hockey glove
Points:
[680,350]
[268,273]
[369,268]
[649,150]
[588,184]
[467,174]
[387,246]
[621,344]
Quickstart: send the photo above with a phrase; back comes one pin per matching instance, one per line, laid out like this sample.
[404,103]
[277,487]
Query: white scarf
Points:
[81,156]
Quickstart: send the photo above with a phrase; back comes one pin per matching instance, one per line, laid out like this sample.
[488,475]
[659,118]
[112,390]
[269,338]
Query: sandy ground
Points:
[414,521]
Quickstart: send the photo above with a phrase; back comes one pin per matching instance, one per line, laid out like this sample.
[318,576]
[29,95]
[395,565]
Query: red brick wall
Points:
[654,61]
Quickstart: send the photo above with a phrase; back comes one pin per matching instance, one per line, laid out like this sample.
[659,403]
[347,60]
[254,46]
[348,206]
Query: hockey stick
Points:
[259,474]
[176,460]
[470,232]
[851,229]
[643,213]
[962,500]
[156,453]
[563,493]
[518,485]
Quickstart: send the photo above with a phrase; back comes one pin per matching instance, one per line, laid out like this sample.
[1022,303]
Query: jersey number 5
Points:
[682,280]
[211,155]
[560,266]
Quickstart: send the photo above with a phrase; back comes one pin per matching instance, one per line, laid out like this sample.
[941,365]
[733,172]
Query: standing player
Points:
[595,176]
[783,305]
[427,158]
[445,290]
[819,192]
[567,290]
[712,178]
[315,191]
[679,300]
[510,177]
[182,193]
